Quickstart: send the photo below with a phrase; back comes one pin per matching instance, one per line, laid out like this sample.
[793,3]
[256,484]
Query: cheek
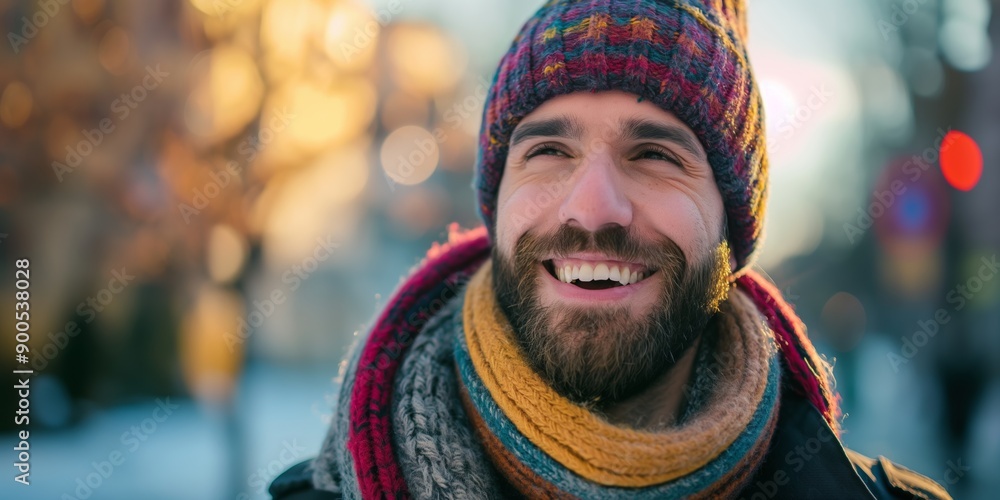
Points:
[522,207]
[680,217]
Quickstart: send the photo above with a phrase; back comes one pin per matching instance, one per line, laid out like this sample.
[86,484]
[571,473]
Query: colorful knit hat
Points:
[686,56]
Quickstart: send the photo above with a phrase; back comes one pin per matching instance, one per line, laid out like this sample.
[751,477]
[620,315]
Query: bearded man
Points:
[602,336]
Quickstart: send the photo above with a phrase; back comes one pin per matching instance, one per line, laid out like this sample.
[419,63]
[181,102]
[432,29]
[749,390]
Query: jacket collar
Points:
[806,459]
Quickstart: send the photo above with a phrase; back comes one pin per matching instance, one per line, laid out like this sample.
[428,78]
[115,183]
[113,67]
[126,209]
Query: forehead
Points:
[592,111]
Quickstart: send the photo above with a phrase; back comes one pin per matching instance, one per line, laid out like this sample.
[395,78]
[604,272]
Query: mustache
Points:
[617,242]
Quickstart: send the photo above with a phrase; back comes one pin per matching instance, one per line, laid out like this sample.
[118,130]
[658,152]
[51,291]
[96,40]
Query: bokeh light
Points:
[409,155]
[844,320]
[114,50]
[323,117]
[211,344]
[287,28]
[15,104]
[961,160]
[317,201]
[227,95]
[226,253]
[88,10]
[424,60]
[350,36]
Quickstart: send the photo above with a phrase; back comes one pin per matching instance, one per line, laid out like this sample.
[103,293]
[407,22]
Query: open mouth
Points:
[597,275]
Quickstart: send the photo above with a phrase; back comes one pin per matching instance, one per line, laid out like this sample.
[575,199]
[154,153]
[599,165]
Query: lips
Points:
[595,274]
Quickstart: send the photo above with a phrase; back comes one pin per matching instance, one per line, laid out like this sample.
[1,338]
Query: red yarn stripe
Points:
[798,352]
[370,436]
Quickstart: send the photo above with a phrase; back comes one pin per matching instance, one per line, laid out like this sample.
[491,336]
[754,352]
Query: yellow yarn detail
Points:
[592,27]
[589,445]
[549,33]
[552,68]
[642,28]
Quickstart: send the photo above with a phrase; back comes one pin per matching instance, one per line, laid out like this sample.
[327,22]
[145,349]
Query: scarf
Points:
[550,447]
[422,411]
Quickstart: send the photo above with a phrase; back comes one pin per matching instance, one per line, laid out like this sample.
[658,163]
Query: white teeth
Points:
[614,274]
[600,272]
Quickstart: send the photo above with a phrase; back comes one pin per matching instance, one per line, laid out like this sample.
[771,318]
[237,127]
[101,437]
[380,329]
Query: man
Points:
[602,336]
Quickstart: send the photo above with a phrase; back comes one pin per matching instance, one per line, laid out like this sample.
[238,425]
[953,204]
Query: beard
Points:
[598,356]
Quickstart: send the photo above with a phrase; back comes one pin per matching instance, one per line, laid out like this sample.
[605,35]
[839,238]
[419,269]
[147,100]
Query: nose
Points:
[596,197]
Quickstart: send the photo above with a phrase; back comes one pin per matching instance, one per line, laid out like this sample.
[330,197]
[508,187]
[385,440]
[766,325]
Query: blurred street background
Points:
[216,196]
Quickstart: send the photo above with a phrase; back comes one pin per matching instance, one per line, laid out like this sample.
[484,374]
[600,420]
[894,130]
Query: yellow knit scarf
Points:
[589,445]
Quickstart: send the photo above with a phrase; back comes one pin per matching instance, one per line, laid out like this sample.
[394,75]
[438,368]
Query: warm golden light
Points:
[325,116]
[226,253]
[15,104]
[227,96]
[212,344]
[222,9]
[423,60]
[88,10]
[350,36]
[287,26]
[318,200]
[114,49]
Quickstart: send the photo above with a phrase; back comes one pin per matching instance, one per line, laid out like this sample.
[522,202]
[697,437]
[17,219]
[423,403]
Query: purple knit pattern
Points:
[686,56]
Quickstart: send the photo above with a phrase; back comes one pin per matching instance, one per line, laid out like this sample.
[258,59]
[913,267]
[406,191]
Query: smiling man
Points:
[602,336]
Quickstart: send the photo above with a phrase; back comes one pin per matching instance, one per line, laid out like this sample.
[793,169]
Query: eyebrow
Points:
[553,127]
[635,129]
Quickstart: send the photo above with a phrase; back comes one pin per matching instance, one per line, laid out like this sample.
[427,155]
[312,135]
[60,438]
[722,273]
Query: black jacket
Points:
[805,461]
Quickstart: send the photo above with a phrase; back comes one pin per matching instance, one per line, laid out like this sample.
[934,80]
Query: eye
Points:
[545,149]
[657,153]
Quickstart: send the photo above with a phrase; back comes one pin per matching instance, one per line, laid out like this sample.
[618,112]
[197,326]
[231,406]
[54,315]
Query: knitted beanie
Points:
[686,56]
